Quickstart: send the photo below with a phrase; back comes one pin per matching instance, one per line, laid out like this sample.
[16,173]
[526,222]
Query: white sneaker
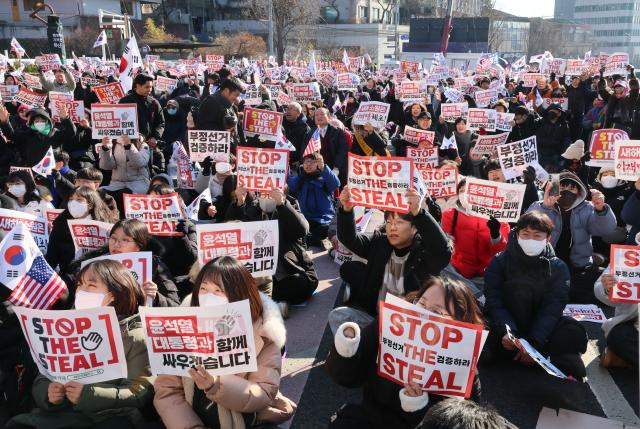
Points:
[284,309]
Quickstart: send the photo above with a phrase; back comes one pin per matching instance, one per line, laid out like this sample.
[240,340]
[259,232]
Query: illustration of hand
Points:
[225,324]
[260,237]
[91,342]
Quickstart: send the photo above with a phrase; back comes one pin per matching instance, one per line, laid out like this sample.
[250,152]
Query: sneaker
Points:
[611,360]
[284,309]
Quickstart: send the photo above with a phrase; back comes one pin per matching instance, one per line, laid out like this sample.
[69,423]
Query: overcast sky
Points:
[526,7]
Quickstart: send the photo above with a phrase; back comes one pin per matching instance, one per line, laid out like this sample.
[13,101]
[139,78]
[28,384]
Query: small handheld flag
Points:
[101,40]
[314,144]
[46,164]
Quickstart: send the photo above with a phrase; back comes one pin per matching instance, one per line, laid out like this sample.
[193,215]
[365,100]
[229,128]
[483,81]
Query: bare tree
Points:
[241,44]
[387,7]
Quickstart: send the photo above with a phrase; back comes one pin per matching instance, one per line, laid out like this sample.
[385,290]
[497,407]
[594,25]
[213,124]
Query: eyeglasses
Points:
[123,241]
[424,304]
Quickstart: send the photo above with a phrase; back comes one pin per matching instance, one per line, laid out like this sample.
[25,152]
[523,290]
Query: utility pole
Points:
[270,41]
[397,50]
[444,45]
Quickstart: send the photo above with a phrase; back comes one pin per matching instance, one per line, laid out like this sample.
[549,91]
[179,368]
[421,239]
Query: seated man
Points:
[527,288]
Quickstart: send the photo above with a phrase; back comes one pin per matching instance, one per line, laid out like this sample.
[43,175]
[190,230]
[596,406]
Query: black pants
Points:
[623,341]
[294,289]
[582,281]
[317,233]
[353,273]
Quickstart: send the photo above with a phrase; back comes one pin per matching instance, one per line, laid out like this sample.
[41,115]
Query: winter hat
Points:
[164,177]
[555,106]
[34,113]
[620,83]
[521,110]
[502,103]
[574,151]
[605,170]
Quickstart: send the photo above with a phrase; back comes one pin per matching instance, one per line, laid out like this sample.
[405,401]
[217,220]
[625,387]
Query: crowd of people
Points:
[440,256]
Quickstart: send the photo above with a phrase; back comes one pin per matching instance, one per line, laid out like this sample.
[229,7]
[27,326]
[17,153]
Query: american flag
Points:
[39,288]
[314,144]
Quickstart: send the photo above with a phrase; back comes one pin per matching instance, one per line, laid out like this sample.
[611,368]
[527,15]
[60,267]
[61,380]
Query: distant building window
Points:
[364,12]
[375,14]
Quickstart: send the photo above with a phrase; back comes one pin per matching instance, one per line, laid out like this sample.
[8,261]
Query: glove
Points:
[206,166]
[586,157]
[529,175]
[552,76]
[494,227]
[183,227]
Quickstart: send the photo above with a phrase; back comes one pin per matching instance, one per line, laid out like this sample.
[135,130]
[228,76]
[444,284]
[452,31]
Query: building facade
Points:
[564,9]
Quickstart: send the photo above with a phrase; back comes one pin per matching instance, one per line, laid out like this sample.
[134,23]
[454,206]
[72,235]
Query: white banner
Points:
[503,201]
[213,144]
[140,264]
[114,120]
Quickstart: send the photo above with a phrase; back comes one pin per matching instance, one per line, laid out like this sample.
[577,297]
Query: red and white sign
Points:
[409,67]
[380,182]
[452,111]
[423,158]
[556,65]
[7,92]
[374,113]
[627,159]
[29,98]
[48,62]
[481,118]
[37,226]
[441,182]
[422,138]
[585,313]
[503,121]
[214,62]
[617,64]
[114,120]
[110,93]
[411,90]
[63,100]
[487,144]
[574,67]
[563,102]
[602,146]
[51,215]
[166,84]
[485,199]
[486,97]
[625,266]
[159,212]
[213,144]
[347,81]
[88,235]
[530,79]
[264,123]
[261,169]
[304,92]
[140,264]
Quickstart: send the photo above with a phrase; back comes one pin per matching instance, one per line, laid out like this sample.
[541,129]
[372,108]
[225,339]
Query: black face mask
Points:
[567,198]
[553,115]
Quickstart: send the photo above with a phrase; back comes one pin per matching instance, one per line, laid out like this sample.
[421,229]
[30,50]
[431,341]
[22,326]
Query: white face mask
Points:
[532,247]
[211,300]
[609,181]
[223,167]
[267,205]
[18,190]
[39,125]
[77,209]
[86,299]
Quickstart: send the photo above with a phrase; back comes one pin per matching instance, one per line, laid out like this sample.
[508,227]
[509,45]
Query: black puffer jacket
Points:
[527,129]
[212,111]
[295,133]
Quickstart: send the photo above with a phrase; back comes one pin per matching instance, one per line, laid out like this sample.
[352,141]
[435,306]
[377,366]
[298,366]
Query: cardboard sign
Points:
[213,144]
[265,123]
[574,68]
[627,159]
[380,182]
[503,121]
[261,169]
[347,81]
[114,120]
[419,137]
[304,92]
[556,65]
[29,98]
[48,62]
[503,201]
[524,346]
[88,235]
[140,264]
[452,111]
[585,313]
[7,92]
[219,338]
[481,118]
[419,346]
[441,182]
[254,244]
[75,345]
[616,64]
[110,93]
[37,226]
[625,266]
[63,100]
[51,215]
[530,79]
[374,113]
[423,158]
[165,84]
[159,212]
[517,156]
[487,144]
[486,97]
[602,146]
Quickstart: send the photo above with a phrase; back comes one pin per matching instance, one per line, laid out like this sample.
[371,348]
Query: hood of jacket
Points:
[33,113]
[582,191]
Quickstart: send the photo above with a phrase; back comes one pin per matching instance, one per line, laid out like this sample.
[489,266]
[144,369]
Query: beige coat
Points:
[255,392]
[129,168]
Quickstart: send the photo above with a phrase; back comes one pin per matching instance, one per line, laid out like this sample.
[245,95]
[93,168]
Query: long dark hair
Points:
[236,280]
[30,185]
[135,229]
[98,209]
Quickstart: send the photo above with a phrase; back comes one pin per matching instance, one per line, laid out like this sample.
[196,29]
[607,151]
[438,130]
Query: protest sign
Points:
[409,67]
[261,169]
[585,313]
[75,345]
[275,91]
[568,419]
[617,64]
[214,62]
[517,156]
[374,113]
[220,338]
[140,264]
[484,199]
[555,65]
[503,121]
[602,146]
[187,173]
[423,158]
[263,123]
[213,144]
[487,144]
[461,84]
[419,137]
[15,168]
[452,111]
[48,62]
[110,93]
[254,244]
[31,81]
[530,79]
[574,67]
[51,215]
[455,96]
[526,348]
[380,182]
[7,92]
[89,82]
[342,253]
[64,100]
[252,95]
[486,97]
[29,98]
[326,77]
[165,84]
[437,353]
[411,91]
[88,235]
[627,159]
[347,81]
[305,92]
[37,226]
[114,120]
[563,102]
[159,212]
[441,182]
[625,266]
[481,118]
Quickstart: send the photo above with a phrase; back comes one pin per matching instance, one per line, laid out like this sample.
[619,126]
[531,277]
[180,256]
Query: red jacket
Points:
[472,248]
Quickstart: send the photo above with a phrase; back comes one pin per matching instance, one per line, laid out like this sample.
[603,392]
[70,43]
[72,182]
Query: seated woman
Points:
[113,404]
[352,362]
[131,235]
[83,203]
[221,180]
[22,189]
[128,162]
[238,400]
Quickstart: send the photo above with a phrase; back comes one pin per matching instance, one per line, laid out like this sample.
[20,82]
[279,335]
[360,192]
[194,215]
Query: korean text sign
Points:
[625,266]
[159,212]
[208,143]
[254,244]
[29,98]
[140,264]
[422,347]
[220,338]
[114,120]
[517,156]
[423,138]
[380,182]
[37,226]
[602,147]
[487,144]
[481,118]
[264,123]
[75,345]
[453,111]
[627,159]
[500,200]
[262,170]
[88,235]
[305,92]
[372,112]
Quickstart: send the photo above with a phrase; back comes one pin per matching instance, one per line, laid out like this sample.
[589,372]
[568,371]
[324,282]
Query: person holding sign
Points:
[352,362]
[224,401]
[150,115]
[526,290]
[63,81]
[129,164]
[131,235]
[221,180]
[369,141]
[423,122]
[114,404]
[631,213]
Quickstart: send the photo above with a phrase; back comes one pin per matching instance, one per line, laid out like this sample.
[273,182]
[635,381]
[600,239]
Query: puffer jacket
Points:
[125,397]
[315,194]
[150,117]
[295,132]
[631,216]
[254,392]
[129,168]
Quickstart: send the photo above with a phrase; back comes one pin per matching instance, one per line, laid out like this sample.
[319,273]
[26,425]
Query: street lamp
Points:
[54,29]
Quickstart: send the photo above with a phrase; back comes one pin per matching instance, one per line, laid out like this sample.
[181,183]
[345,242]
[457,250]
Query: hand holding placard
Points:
[344,199]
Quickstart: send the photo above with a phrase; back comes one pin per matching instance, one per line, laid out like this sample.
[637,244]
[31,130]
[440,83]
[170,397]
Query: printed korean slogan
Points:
[254,244]
[140,264]
[423,158]
[114,120]
[602,147]
[419,137]
[585,313]
[75,345]
[159,212]
[481,118]
[517,156]
[213,144]
[422,347]
[441,182]
[262,170]
[220,338]
[627,159]
[165,84]
[263,123]
[88,235]
[29,98]
[305,92]
[36,225]
[374,113]
[484,199]
[452,111]
[380,182]
[503,121]
[488,144]
[625,266]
